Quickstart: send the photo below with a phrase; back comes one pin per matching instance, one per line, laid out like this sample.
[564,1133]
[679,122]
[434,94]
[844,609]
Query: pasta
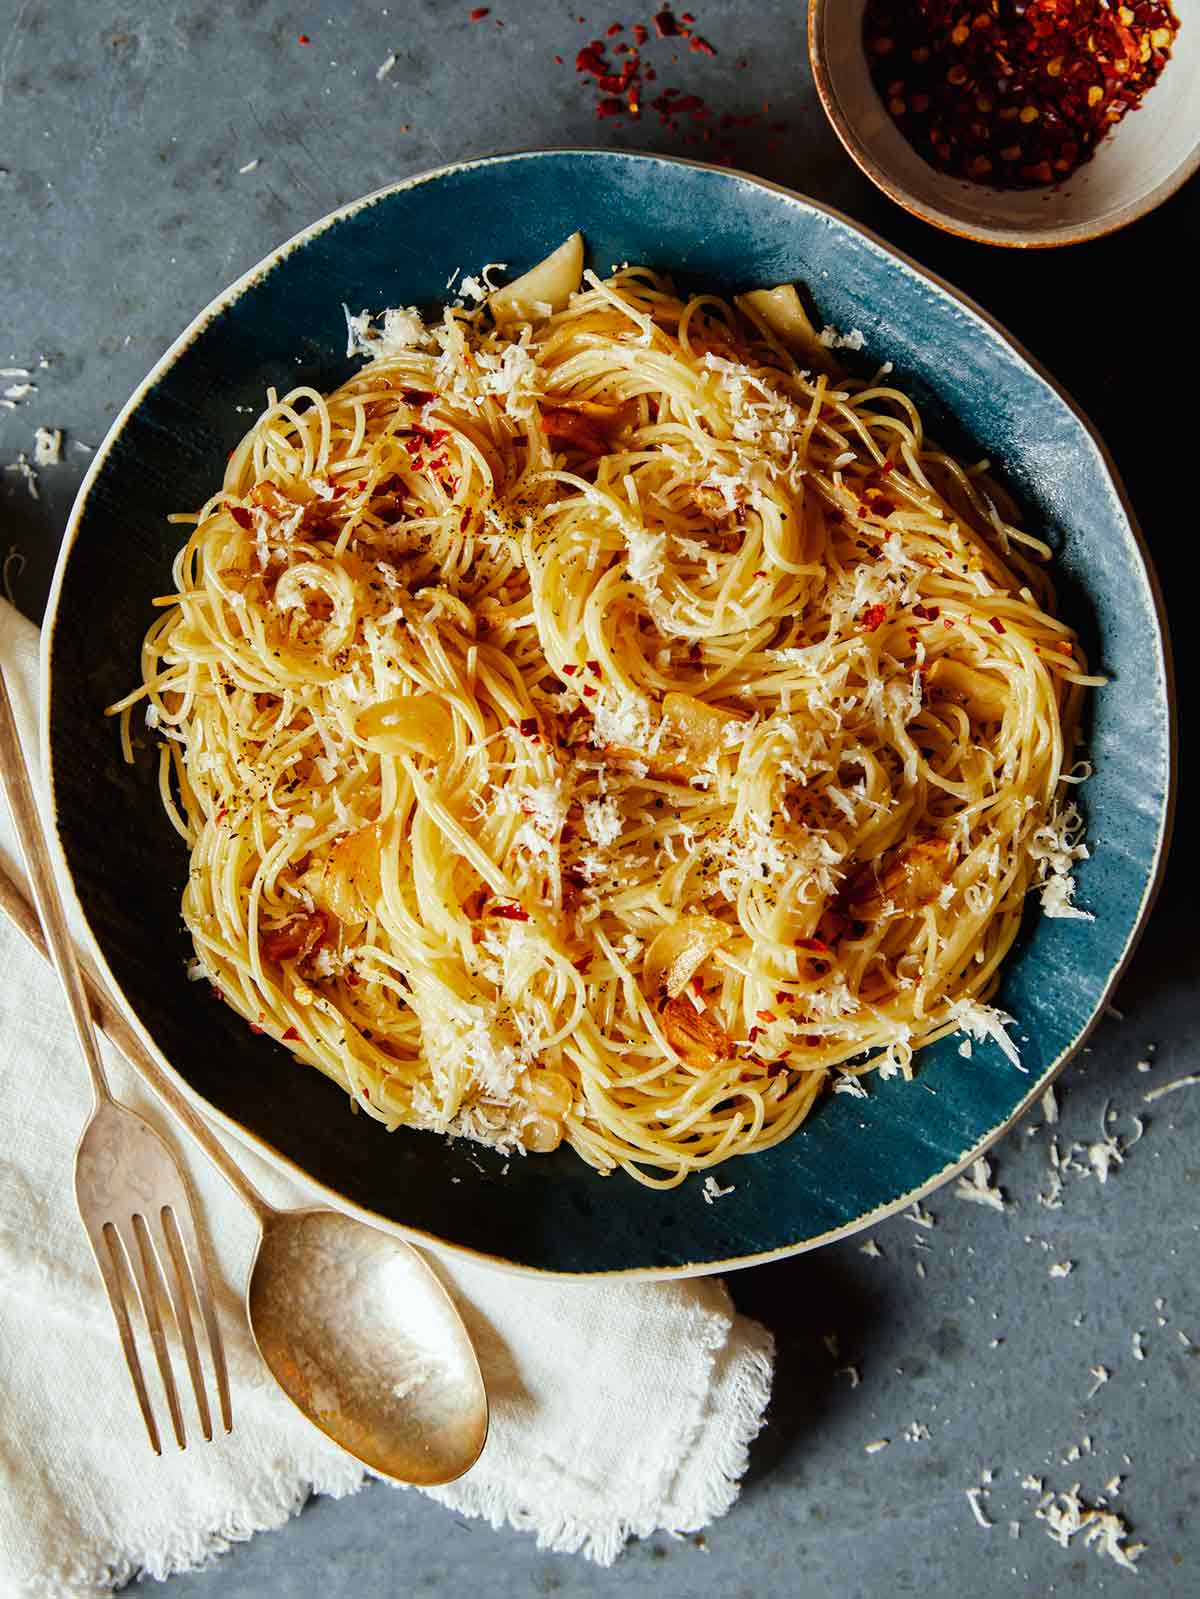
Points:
[607,721]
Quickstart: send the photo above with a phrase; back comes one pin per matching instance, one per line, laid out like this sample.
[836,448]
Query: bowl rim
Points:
[283,1163]
[1014,238]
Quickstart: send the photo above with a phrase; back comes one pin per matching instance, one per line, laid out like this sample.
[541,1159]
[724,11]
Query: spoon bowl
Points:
[363,1339]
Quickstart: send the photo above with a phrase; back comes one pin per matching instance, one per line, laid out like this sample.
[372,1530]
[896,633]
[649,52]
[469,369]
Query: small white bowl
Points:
[1143,160]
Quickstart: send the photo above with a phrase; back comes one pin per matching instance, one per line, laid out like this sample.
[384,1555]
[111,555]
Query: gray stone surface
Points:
[122,211]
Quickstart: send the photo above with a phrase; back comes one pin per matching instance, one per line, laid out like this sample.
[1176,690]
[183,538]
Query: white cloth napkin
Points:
[617,1408]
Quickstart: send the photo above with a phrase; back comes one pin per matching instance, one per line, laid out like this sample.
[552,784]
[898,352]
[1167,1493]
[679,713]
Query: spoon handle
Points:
[22,914]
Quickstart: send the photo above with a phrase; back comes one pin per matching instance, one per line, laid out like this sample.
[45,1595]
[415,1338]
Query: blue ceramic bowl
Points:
[854,1160]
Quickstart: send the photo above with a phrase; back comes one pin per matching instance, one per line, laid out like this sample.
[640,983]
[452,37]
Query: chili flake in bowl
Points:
[1014,94]
[1007,120]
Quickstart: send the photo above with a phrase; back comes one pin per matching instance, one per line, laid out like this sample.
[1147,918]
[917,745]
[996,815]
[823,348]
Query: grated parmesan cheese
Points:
[1190,1081]
[1056,847]
[974,1496]
[983,1022]
[833,340]
[23,469]
[602,820]
[1066,1515]
[978,1187]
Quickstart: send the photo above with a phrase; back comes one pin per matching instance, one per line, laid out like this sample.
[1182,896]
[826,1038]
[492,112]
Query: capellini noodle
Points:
[608,722]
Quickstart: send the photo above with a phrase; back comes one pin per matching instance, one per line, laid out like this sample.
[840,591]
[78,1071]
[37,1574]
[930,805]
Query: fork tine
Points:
[174,1270]
[140,1254]
[106,1249]
[184,1227]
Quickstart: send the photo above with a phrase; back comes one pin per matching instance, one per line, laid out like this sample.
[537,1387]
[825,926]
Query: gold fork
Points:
[131,1193]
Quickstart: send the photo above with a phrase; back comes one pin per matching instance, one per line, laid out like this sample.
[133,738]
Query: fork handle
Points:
[14,779]
[21,913]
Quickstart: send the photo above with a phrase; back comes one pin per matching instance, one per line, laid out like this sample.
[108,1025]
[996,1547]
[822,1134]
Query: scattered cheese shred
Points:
[1066,1515]
[47,446]
[978,1187]
[1190,1081]
[974,1495]
[712,1190]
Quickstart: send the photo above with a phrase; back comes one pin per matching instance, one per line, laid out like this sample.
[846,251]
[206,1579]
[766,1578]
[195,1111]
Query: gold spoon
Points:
[353,1325]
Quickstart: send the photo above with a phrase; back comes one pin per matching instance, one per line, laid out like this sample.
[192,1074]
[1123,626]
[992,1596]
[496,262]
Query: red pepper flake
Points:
[480,12]
[1019,95]
[782,997]
[215,993]
[640,33]
[511,911]
[753,1034]
[702,46]
[558,61]
[290,1033]
[594,668]
[760,573]
[221,814]
[1065,648]
[766,1016]
[591,59]
[255,1028]
[610,106]
[613,29]
[994,621]
[570,669]
[812,1040]
[927,613]
[589,691]
[241,516]
[528,727]
[303,38]
[665,24]
[817,945]
[874,616]
[417,396]
[583,963]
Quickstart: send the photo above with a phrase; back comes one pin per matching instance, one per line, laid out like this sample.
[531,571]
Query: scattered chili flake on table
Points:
[1014,93]
[479,13]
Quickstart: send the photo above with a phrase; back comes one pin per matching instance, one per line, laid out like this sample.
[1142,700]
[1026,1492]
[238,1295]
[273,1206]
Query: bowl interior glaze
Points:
[283,325]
